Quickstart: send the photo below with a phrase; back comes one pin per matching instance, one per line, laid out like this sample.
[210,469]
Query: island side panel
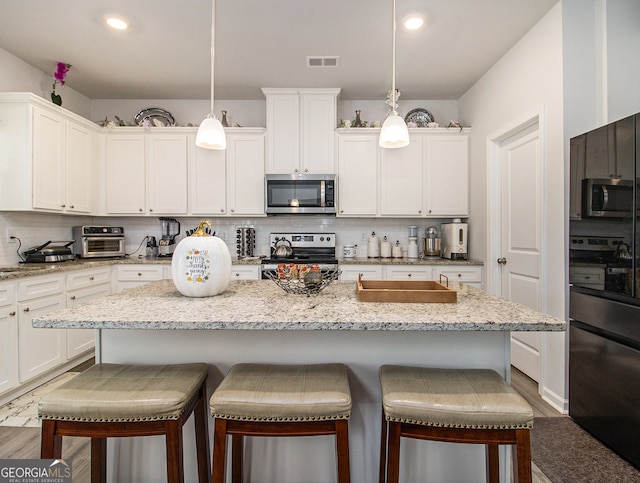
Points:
[310,459]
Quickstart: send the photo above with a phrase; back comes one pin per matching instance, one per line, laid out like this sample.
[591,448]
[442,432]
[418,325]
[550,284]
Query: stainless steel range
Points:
[301,248]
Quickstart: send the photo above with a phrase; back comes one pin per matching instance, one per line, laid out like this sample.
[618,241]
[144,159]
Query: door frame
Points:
[494,195]
[535,117]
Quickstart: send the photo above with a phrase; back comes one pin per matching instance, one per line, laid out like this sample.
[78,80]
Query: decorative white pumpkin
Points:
[201,264]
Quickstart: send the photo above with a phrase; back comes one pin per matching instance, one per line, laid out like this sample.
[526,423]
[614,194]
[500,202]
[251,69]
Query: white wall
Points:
[526,79]
[18,76]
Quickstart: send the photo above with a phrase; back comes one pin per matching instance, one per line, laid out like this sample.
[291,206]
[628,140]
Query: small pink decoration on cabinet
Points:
[201,264]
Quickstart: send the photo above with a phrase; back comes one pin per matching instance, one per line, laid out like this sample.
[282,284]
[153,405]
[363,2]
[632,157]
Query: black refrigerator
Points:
[604,277]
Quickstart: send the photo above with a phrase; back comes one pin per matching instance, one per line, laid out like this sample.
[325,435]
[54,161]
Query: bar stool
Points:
[114,400]
[280,400]
[455,406]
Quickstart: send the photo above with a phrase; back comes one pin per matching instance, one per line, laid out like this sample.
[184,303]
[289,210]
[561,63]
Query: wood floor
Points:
[24,443]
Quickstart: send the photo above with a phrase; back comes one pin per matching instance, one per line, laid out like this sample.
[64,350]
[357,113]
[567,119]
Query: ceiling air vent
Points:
[325,61]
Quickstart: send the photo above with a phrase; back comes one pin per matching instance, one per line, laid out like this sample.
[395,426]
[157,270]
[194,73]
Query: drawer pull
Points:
[409,275]
[139,274]
[92,278]
[73,297]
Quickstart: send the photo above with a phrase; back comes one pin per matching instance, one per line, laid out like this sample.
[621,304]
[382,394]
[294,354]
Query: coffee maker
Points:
[454,240]
[170,230]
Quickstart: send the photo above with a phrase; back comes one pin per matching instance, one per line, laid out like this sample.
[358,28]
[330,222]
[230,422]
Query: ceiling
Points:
[263,43]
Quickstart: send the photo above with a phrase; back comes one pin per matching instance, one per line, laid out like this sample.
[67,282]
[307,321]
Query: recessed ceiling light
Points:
[413,22]
[117,23]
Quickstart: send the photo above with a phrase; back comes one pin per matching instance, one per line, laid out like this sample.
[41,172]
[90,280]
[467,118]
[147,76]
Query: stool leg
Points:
[219,450]
[175,453]
[98,460]
[522,457]
[393,452]
[383,449]
[50,443]
[493,463]
[202,437]
[342,448]
[237,457]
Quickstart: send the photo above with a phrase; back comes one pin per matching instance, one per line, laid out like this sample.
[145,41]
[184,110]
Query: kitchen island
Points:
[255,321]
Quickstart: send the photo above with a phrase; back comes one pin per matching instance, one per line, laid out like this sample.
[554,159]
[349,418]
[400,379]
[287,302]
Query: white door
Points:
[521,237]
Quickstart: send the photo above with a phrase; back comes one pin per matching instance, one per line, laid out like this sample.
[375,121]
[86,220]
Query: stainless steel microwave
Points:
[608,198]
[300,194]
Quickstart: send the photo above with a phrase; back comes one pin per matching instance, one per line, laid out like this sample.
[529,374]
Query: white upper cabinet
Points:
[48,156]
[125,173]
[245,174]
[446,158]
[229,182]
[167,168]
[146,173]
[300,130]
[427,178]
[401,180]
[207,180]
[357,174]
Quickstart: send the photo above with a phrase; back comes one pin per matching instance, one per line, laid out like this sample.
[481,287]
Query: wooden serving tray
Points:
[405,291]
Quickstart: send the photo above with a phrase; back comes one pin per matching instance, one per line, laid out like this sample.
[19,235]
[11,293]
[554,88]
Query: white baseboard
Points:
[558,402]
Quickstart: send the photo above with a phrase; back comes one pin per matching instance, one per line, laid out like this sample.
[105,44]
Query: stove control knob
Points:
[328,238]
[321,238]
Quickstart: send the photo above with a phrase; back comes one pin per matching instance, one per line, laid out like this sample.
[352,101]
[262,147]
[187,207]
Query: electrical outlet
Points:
[10,234]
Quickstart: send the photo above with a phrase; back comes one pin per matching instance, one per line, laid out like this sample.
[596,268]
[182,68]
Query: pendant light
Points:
[394,132]
[211,133]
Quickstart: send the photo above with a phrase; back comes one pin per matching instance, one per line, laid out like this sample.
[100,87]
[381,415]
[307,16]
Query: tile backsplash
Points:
[36,228]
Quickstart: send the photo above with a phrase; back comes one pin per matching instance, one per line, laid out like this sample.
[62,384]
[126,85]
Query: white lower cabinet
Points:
[82,286]
[8,337]
[408,272]
[129,276]
[245,272]
[469,274]
[369,272]
[39,350]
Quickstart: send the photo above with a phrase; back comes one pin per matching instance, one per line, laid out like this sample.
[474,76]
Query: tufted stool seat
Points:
[456,406]
[280,400]
[116,400]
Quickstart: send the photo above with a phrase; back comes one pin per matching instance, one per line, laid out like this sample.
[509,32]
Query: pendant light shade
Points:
[394,132]
[211,134]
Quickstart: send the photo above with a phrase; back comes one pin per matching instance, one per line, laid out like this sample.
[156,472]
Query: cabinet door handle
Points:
[139,274]
[429,211]
[295,170]
[233,210]
[72,206]
[26,309]
[140,210]
[73,297]
[12,314]
[91,278]
[150,210]
[62,206]
[221,210]
[409,275]
[306,170]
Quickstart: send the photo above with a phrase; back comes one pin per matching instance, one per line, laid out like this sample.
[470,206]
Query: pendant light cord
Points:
[393,62]
[213,23]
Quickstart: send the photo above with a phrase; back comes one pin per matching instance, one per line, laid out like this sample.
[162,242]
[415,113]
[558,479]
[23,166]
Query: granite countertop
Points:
[16,271]
[262,305]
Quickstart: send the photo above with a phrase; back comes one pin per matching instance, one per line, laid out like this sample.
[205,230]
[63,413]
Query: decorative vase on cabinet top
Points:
[201,264]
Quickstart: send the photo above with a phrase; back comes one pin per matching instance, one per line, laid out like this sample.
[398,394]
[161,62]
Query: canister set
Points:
[452,245]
